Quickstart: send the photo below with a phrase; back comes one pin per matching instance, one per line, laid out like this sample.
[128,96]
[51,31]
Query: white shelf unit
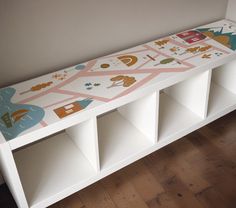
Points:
[223,89]
[59,165]
[101,140]
[183,105]
[126,132]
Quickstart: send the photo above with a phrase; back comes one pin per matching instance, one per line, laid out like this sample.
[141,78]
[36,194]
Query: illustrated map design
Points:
[16,118]
[37,103]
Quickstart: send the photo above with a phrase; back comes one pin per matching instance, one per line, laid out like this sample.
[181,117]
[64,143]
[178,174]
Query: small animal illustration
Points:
[90,85]
[60,76]
[206,56]
[175,50]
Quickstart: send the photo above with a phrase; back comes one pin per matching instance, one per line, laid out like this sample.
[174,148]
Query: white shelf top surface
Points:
[36,108]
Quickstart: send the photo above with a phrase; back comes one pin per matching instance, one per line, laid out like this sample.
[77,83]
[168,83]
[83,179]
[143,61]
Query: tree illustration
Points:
[193,50]
[202,49]
[37,87]
[165,61]
[161,42]
[197,49]
[122,80]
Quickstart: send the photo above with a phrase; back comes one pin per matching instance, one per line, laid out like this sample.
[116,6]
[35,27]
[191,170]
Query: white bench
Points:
[68,129]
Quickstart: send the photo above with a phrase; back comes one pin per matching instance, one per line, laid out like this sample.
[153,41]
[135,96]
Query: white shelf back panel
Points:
[119,140]
[193,93]
[174,117]
[220,99]
[143,115]
[225,76]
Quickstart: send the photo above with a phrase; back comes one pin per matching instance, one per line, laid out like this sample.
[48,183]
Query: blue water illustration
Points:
[16,118]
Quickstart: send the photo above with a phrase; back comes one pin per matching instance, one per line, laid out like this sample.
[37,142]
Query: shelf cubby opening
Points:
[223,88]
[125,132]
[182,106]
[52,167]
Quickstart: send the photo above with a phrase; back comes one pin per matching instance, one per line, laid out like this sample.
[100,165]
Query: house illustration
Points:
[71,108]
[191,36]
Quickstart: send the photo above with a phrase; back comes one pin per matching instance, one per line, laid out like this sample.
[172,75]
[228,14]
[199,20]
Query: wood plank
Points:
[96,197]
[143,181]
[122,191]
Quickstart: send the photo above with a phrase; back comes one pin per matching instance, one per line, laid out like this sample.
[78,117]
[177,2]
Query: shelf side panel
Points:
[193,93]
[85,137]
[10,174]
[225,76]
[143,114]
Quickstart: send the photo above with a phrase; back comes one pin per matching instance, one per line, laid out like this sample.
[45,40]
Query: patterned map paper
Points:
[39,102]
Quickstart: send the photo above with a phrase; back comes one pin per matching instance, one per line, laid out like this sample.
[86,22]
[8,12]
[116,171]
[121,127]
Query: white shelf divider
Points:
[193,93]
[10,173]
[85,137]
[143,114]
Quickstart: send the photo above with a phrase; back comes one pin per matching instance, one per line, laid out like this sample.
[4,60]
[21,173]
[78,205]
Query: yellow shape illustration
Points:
[128,60]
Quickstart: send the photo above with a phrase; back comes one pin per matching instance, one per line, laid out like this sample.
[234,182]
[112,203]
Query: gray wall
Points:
[40,36]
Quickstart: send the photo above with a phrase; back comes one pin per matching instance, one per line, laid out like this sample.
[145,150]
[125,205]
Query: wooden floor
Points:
[198,171]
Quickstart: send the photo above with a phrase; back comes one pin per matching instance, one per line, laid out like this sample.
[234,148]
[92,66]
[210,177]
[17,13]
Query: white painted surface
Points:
[143,114]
